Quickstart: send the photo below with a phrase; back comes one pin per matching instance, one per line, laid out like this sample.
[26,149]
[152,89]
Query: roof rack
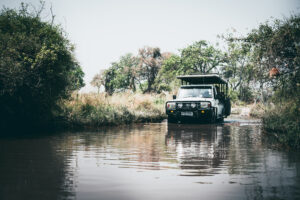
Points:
[202,79]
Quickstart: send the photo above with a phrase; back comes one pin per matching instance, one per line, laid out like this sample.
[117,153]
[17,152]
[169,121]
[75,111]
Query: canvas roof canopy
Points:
[202,79]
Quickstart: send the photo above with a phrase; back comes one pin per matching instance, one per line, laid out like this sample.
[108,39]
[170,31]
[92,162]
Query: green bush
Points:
[284,121]
[233,95]
[37,69]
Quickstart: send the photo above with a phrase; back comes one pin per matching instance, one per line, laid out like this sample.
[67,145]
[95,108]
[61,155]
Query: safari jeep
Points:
[200,98]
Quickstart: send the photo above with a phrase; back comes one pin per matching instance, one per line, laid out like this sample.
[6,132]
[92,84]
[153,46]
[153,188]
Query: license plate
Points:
[190,114]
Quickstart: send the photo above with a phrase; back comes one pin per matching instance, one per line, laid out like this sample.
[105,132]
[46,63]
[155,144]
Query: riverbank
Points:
[94,110]
[283,121]
[248,110]
[279,120]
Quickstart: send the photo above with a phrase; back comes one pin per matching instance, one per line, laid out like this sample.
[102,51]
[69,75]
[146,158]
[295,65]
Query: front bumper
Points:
[201,114]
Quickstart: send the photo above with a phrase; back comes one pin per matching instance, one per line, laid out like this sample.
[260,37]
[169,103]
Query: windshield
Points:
[205,92]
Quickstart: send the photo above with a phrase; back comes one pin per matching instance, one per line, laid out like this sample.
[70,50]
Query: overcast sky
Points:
[104,30]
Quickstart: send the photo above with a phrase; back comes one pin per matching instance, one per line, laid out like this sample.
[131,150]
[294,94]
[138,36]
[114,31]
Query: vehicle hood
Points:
[192,99]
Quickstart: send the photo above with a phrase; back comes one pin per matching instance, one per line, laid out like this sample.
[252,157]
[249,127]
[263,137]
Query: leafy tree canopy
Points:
[37,68]
[275,47]
[200,57]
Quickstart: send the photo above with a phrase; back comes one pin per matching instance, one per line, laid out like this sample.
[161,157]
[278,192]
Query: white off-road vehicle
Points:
[200,98]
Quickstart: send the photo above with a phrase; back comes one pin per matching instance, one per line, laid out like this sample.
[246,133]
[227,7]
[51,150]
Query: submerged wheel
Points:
[227,107]
[221,119]
[171,119]
[213,116]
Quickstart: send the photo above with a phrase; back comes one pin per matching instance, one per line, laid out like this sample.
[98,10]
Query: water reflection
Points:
[34,168]
[150,161]
[201,149]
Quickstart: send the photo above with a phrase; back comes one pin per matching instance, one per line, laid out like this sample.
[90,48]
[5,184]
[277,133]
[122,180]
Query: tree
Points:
[120,76]
[200,57]
[196,58]
[130,72]
[284,56]
[238,69]
[166,79]
[37,68]
[98,81]
[275,46]
[109,80]
[259,39]
[129,66]
[150,60]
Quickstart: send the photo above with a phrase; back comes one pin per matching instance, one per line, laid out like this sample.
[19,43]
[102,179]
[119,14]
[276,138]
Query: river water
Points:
[230,160]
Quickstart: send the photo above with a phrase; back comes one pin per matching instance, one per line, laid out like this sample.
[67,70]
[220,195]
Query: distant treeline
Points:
[257,64]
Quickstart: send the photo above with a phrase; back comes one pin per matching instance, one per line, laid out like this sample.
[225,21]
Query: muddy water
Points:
[231,160]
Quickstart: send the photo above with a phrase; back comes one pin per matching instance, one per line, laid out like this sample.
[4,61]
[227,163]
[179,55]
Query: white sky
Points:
[104,30]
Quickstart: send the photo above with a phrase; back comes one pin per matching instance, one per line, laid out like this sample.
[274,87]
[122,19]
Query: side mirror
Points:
[174,96]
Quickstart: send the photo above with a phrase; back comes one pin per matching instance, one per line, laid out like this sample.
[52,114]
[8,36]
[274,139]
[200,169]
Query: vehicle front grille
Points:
[187,106]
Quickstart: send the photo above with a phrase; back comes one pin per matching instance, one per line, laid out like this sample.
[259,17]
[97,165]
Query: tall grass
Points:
[283,120]
[94,110]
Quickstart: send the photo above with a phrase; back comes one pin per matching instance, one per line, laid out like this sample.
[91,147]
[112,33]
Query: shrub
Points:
[233,95]
[284,121]
[37,69]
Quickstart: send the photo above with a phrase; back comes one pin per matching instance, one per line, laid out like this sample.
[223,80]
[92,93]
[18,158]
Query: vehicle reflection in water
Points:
[201,149]
[229,160]
[236,149]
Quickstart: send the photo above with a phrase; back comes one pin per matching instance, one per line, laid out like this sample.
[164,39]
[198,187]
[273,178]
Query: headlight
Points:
[171,106]
[193,105]
[205,104]
[179,105]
